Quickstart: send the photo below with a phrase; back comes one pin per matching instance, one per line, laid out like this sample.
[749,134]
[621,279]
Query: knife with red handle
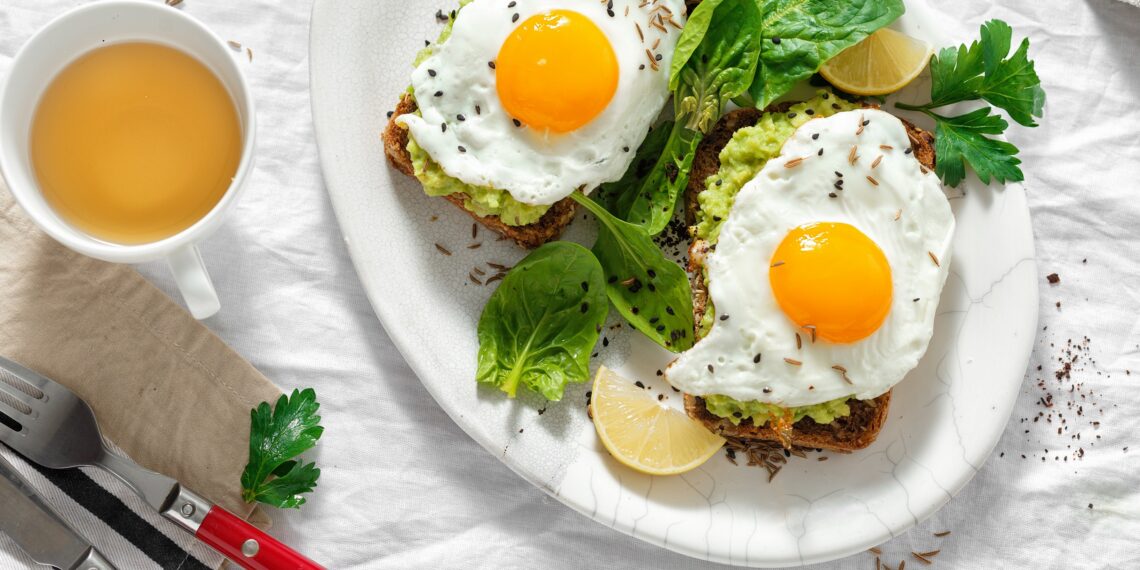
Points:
[247,546]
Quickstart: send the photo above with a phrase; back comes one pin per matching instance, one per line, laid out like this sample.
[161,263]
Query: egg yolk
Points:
[556,71]
[831,278]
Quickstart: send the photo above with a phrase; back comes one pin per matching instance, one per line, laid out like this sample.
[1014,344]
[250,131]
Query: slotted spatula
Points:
[49,425]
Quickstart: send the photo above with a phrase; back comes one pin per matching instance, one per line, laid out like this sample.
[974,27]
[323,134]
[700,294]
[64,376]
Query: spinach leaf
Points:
[800,35]
[617,196]
[651,292]
[540,325]
[714,61]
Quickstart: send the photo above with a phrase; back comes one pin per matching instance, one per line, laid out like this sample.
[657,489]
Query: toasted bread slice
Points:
[844,435]
[548,227]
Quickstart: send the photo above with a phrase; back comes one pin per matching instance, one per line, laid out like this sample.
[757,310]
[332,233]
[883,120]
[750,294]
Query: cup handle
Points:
[194,281]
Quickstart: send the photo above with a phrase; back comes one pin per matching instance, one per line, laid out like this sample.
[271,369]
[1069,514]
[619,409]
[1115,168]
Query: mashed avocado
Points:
[481,200]
[740,161]
[736,411]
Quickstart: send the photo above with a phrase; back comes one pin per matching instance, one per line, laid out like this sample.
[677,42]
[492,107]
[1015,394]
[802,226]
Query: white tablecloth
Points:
[403,487]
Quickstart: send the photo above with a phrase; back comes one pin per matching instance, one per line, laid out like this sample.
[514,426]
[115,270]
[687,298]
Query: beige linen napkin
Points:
[165,390]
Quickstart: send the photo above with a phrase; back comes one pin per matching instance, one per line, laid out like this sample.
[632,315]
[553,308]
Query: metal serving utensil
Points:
[49,425]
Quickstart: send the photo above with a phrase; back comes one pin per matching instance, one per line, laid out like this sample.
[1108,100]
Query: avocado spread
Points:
[740,161]
[481,200]
[736,411]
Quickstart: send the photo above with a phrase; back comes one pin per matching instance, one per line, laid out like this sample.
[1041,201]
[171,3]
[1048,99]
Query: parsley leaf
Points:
[276,436]
[983,70]
[962,139]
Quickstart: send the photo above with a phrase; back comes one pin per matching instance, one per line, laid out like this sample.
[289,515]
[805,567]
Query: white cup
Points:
[69,37]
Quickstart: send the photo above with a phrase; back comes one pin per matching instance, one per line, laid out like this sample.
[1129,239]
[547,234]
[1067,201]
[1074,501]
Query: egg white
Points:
[535,166]
[782,198]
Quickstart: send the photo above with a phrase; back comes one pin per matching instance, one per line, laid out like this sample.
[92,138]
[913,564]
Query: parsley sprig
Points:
[276,437]
[985,71]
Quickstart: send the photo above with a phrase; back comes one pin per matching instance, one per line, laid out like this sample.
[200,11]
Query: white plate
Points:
[945,417]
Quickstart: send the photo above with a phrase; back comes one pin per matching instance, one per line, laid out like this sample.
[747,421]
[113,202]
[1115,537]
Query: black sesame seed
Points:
[809,112]
[640,67]
[651,273]
[814,137]
[439,15]
[736,415]
[719,182]
[839,182]
[651,287]
[654,320]
[517,122]
[625,149]
[491,64]
[634,310]
[826,96]
[512,4]
[639,384]
[585,286]
[390,113]
[605,341]
[462,149]
[767,390]
[724,317]
[717,218]
[439,93]
[832,195]
[670,310]
[660,328]
[514,18]
[915,299]
[711,369]
[658,57]
[461,117]
[610,13]
[839,174]
[776,40]
[612,279]
[585,307]
[867,122]
[835,106]
[820,153]
[478,111]
[426,43]
[908,150]
[791,115]
[443,127]
[756,359]
[431,72]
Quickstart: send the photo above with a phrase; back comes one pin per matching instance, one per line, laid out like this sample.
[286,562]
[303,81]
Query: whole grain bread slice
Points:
[847,434]
[548,227]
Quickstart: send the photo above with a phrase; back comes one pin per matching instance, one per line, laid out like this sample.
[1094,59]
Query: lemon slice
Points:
[882,63]
[644,434]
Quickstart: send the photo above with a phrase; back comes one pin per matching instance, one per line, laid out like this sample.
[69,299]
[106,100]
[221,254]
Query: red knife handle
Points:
[247,546]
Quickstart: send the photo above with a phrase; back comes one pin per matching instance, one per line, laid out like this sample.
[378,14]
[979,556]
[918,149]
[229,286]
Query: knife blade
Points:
[38,530]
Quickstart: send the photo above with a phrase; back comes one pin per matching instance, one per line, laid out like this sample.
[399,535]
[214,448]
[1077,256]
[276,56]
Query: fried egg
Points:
[827,272]
[542,97]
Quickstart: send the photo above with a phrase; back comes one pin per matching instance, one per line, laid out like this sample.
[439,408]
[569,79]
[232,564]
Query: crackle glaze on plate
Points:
[939,432]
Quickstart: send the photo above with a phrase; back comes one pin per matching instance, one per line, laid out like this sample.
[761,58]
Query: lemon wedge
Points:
[882,63]
[644,434]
